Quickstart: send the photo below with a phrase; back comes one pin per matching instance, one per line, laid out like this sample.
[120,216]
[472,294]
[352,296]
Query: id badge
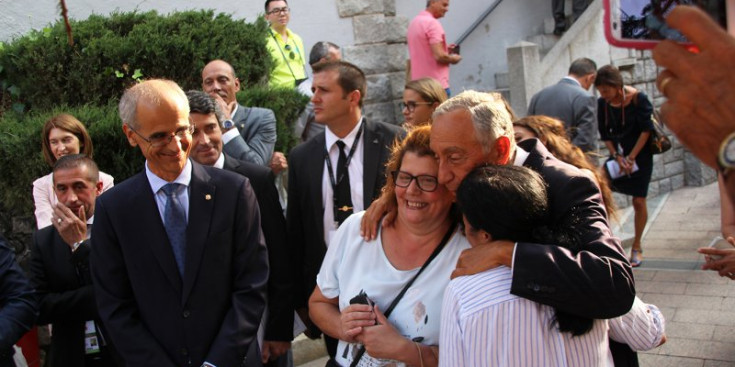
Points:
[91,342]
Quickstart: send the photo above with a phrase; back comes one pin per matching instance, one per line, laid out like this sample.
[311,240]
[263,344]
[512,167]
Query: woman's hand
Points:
[724,264]
[353,320]
[626,164]
[383,340]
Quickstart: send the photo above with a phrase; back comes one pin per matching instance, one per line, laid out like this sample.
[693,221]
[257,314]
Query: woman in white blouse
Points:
[63,134]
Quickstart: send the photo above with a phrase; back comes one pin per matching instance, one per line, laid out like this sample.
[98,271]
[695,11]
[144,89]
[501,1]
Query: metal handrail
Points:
[477,22]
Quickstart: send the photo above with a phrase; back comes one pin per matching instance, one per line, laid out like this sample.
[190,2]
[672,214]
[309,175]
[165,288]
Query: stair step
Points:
[502,81]
[544,41]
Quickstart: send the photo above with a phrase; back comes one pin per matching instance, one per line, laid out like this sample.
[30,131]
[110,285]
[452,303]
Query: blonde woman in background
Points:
[420,98]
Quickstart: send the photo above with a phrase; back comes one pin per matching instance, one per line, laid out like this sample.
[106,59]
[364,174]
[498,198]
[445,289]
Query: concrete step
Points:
[502,81]
[544,41]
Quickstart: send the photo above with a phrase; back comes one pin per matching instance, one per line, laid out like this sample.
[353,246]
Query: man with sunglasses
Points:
[285,47]
[178,259]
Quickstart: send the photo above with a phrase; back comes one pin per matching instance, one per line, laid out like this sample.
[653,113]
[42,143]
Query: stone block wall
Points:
[380,51]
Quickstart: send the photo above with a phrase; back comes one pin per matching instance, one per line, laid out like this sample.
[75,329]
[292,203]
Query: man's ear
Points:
[502,150]
[99,186]
[129,134]
[237,84]
[354,97]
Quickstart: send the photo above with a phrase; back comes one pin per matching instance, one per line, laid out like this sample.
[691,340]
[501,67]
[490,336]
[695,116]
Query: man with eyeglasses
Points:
[249,132]
[332,175]
[178,258]
[285,47]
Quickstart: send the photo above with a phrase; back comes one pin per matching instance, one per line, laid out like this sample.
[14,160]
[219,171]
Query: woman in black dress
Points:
[624,121]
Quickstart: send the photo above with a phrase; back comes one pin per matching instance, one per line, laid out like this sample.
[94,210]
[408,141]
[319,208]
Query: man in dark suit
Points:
[249,132]
[178,258]
[17,304]
[60,268]
[313,214]
[569,102]
[206,149]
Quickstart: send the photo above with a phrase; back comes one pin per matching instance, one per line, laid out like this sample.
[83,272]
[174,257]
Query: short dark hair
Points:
[505,201]
[201,102]
[610,76]
[351,78]
[267,2]
[320,50]
[582,67]
[75,161]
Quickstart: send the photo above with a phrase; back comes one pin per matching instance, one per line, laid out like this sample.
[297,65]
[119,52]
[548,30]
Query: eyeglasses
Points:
[411,105]
[158,140]
[290,52]
[283,10]
[425,182]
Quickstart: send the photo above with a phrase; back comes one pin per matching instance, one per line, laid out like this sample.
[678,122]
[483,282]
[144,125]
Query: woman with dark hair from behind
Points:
[552,134]
[61,135]
[483,323]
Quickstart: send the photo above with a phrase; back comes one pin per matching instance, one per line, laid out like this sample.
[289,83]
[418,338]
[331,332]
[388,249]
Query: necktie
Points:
[174,219]
[343,202]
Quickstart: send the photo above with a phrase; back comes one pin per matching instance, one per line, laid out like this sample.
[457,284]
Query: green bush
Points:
[110,53]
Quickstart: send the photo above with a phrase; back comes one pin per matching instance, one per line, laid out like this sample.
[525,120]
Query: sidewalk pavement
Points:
[699,306]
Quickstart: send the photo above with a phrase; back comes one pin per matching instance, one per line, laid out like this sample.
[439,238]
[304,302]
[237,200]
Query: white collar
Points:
[157,183]
[521,156]
[220,163]
[573,80]
[331,138]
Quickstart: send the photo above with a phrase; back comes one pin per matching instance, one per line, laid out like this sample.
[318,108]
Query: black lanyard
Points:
[334,181]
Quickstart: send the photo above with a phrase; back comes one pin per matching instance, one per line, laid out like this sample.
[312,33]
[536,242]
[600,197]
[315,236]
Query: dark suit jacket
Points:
[257,135]
[17,303]
[156,318]
[66,298]
[571,104]
[305,212]
[596,281]
[279,325]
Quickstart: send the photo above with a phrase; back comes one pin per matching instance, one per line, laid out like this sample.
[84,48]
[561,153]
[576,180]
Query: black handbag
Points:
[658,140]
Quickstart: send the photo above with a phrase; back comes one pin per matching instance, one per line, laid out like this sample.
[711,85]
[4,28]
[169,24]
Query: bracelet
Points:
[421,358]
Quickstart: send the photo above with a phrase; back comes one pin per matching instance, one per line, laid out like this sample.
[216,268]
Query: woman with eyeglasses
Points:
[61,135]
[359,282]
[284,46]
[420,98]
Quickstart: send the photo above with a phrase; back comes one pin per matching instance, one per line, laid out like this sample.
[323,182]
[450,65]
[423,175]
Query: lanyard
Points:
[283,55]
[336,180]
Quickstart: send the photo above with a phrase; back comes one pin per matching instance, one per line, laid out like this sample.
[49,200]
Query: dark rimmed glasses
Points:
[411,105]
[426,183]
[283,10]
[158,140]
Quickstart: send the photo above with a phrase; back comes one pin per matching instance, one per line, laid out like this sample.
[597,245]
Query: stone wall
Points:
[380,51]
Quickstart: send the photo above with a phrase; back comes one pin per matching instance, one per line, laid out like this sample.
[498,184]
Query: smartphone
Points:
[721,244]
[641,24]
[454,50]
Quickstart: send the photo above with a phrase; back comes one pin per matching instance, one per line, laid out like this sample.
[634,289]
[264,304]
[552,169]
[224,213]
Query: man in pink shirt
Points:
[427,45]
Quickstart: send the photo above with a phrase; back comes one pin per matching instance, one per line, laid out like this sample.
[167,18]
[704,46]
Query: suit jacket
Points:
[257,135]
[571,104]
[594,281]
[17,303]
[64,288]
[279,325]
[305,212]
[156,318]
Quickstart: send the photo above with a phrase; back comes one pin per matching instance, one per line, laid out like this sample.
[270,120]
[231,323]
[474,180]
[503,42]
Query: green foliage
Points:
[280,101]
[111,52]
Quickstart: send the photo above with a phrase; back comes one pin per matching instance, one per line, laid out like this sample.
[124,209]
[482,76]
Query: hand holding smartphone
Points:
[641,24]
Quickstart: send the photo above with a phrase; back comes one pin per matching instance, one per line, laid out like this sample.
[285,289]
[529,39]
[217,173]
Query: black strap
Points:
[283,55]
[334,181]
[393,304]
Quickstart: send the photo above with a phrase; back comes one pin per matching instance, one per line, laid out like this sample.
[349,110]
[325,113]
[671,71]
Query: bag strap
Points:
[393,304]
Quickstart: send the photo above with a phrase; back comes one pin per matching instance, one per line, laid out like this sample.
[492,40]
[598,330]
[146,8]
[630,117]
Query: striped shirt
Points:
[484,325]
[642,328]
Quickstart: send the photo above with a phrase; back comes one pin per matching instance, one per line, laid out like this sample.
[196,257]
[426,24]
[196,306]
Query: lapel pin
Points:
[207,197]
[375,141]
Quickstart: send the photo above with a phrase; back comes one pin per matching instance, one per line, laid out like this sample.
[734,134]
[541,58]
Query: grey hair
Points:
[152,91]
[320,50]
[489,112]
[201,102]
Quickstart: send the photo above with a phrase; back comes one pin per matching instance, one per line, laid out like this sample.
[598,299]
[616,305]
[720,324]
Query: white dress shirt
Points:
[157,183]
[355,170]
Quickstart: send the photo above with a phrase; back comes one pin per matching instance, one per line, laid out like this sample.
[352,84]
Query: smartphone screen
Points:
[641,24]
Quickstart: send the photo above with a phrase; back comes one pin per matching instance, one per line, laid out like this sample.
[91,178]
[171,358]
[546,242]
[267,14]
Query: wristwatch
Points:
[76,245]
[726,157]
[228,124]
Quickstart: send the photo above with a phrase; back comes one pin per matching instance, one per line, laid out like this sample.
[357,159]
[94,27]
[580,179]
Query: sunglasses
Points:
[291,55]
